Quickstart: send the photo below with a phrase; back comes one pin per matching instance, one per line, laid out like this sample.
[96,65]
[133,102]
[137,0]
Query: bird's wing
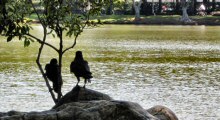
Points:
[86,66]
[46,67]
[72,66]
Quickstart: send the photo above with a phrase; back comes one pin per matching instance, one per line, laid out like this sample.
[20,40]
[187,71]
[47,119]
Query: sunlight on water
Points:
[174,66]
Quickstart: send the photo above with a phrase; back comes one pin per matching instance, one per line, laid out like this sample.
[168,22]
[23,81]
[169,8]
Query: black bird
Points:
[53,73]
[80,68]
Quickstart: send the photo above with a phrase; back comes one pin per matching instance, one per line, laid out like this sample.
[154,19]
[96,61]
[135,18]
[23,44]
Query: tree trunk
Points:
[126,6]
[177,7]
[110,8]
[137,8]
[59,95]
[153,12]
[41,69]
[205,2]
[160,6]
[42,43]
[213,5]
[194,7]
[185,17]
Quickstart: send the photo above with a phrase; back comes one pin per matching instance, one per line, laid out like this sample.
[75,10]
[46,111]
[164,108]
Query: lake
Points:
[174,66]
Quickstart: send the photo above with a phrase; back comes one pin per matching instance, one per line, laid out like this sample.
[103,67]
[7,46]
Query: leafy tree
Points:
[54,16]
[177,6]
[137,8]
[110,9]
[159,6]
[185,4]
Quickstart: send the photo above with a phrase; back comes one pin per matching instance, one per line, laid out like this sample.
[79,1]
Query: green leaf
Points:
[50,32]
[23,30]
[9,38]
[19,37]
[53,35]
[26,42]
[30,39]
[10,7]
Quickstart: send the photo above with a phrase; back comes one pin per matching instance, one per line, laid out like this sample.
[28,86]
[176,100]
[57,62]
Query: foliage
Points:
[55,17]
[119,4]
[14,24]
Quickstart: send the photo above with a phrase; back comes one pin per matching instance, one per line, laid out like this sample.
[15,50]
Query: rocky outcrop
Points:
[88,110]
[104,110]
[162,112]
[86,104]
[82,94]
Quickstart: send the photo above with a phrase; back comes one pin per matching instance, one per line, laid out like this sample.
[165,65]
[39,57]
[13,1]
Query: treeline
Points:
[151,7]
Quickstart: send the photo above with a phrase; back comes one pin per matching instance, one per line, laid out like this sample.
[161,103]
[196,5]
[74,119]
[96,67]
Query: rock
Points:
[11,115]
[85,104]
[82,94]
[162,112]
[89,110]
[103,110]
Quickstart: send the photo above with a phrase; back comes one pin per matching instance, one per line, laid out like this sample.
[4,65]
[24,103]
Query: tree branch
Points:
[38,15]
[40,51]
[73,45]
[41,69]
[43,42]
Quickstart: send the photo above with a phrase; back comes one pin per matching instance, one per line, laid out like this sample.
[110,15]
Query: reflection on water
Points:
[175,66]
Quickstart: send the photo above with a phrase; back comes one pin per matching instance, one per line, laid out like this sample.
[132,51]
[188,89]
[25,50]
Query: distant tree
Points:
[194,7]
[185,5]
[177,7]
[126,6]
[110,8]
[120,7]
[137,8]
[56,17]
[159,6]
[213,5]
[144,9]
[153,5]
[205,2]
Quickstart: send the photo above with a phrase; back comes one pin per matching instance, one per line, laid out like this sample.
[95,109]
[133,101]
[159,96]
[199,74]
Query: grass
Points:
[152,20]
[158,19]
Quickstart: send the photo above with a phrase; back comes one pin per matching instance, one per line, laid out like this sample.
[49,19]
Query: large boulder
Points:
[103,110]
[82,94]
[86,104]
[88,110]
[162,112]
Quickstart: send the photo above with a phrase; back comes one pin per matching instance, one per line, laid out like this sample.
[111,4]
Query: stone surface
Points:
[88,110]
[162,112]
[103,110]
[85,104]
[82,94]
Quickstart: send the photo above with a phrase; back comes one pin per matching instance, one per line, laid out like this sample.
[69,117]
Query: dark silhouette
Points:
[53,73]
[80,68]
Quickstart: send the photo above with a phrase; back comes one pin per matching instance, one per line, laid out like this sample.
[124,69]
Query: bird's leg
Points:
[78,79]
[59,95]
[85,81]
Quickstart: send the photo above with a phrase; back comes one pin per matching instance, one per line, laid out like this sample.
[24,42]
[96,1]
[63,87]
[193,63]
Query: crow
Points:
[80,68]
[53,74]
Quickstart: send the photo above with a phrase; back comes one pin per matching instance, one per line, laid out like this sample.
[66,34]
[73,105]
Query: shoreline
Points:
[194,23]
[208,20]
[160,20]
[163,24]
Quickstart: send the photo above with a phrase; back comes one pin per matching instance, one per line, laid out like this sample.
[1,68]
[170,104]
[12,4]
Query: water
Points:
[174,66]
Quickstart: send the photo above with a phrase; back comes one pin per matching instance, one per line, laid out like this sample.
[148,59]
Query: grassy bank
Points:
[154,20]
[159,20]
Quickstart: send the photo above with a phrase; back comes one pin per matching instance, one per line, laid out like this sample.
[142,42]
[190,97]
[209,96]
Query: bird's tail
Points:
[89,80]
